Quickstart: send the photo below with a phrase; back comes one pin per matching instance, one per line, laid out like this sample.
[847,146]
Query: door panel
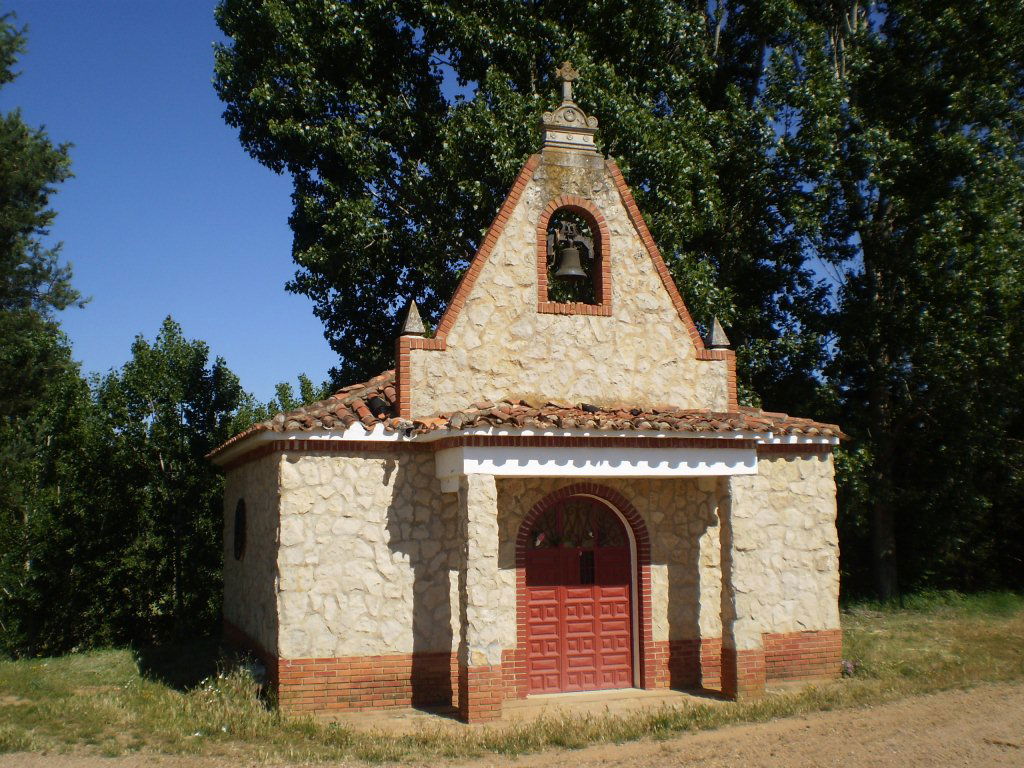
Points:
[579,617]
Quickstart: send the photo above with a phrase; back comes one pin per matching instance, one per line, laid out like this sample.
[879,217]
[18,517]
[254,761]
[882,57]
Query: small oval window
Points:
[239,529]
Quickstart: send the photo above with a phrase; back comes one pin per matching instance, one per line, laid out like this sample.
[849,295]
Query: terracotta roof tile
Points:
[352,404]
[622,418]
[339,411]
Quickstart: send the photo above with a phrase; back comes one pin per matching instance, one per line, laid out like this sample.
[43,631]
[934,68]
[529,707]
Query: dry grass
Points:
[102,702]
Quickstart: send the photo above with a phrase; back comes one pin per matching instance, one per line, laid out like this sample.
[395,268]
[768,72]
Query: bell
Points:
[569,263]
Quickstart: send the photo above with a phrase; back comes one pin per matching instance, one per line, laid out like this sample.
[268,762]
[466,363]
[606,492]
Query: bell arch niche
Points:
[573,259]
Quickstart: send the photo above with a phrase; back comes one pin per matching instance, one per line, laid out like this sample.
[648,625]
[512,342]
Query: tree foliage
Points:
[403,125]
[121,542]
[40,388]
[906,131]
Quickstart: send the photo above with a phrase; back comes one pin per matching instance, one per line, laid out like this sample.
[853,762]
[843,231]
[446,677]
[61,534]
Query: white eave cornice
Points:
[358,434]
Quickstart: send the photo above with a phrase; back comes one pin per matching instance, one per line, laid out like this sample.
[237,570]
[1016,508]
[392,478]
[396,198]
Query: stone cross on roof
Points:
[567,74]
[569,127]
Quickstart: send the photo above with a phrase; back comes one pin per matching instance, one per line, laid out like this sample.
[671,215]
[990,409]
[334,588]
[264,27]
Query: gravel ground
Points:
[979,727]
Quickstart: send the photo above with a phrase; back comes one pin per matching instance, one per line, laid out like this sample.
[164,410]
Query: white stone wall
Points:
[682,519]
[366,558]
[500,346]
[785,548]
[370,550]
[250,584]
[483,596]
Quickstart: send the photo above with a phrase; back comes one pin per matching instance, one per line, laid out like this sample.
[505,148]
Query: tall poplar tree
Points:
[904,125]
[40,389]
[403,125]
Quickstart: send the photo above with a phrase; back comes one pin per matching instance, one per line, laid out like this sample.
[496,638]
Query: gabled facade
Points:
[556,492]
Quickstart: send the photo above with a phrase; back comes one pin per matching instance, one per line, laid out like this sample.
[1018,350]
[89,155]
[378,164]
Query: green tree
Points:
[903,123]
[403,125]
[31,275]
[164,411]
[121,539]
[41,392]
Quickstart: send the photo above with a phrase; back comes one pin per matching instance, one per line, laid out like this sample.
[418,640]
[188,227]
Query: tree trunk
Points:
[883,544]
[883,433]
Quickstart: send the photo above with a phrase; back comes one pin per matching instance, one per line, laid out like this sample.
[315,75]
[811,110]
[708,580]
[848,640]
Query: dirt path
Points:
[980,727]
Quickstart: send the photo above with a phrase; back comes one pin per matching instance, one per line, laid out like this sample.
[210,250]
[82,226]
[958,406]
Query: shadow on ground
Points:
[182,665]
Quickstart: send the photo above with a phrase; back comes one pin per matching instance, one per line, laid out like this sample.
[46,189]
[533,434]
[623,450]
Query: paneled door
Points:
[578,612]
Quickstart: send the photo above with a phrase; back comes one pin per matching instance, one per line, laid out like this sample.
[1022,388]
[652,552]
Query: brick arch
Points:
[515,668]
[603,281]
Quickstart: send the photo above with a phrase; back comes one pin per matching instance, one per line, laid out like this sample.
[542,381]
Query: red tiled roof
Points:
[373,403]
[339,411]
[553,415]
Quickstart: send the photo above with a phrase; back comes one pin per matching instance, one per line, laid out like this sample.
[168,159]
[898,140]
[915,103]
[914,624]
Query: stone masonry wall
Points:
[250,584]
[682,518]
[369,557]
[790,579]
[501,346]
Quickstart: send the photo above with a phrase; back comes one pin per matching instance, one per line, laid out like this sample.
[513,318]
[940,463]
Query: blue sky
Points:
[166,214]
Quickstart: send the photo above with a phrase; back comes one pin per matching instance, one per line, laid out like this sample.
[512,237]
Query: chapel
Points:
[554,491]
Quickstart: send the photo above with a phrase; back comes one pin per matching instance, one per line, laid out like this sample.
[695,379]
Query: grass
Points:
[112,702]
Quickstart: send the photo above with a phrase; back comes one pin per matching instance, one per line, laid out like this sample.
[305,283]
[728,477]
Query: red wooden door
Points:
[579,617]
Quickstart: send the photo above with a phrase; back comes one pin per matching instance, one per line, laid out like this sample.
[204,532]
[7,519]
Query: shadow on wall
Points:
[422,528]
[250,610]
[696,518]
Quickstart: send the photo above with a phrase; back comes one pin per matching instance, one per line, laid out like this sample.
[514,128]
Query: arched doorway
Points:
[579,598]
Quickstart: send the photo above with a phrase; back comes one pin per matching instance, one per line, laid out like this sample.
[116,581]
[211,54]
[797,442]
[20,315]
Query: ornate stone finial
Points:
[569,127]
[413,325]
[567,74]
[716,338]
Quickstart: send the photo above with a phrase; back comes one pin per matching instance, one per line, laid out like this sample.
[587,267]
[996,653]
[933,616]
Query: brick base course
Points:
[366,682]
[803,655]
[743,673]
[433,679]
[695,663]
[481,690]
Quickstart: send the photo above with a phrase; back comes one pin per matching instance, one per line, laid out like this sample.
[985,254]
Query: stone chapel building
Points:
[557,491]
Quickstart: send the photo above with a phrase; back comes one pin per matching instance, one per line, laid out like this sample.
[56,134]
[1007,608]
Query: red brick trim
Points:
[451,314]
[240,640]
[602,305]
[789,449]
[653,668]
[403,376]
[533,441]
[436,679]
[626,194]
[795,656]
[355,682]
[711,663]
[366,682]
[695,663]
[481,691]
[743,673]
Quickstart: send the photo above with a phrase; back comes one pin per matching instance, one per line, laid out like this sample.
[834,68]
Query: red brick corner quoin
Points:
[406,343]
[703,353]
